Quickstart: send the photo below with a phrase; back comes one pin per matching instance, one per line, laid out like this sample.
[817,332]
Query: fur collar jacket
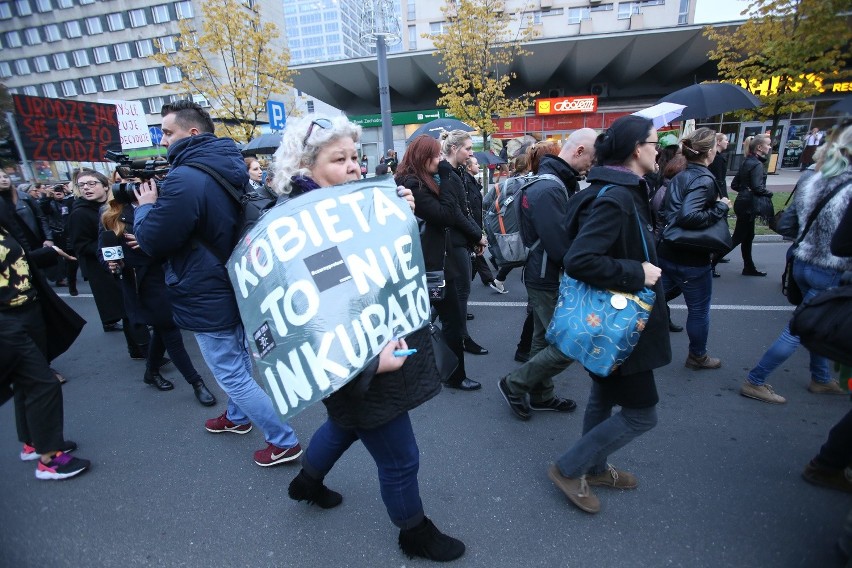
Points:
[815,248]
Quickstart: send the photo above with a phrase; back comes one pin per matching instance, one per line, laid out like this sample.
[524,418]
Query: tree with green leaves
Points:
[235,63]
[784,52]
[480,41]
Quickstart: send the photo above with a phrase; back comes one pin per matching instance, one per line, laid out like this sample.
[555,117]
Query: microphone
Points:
[113,252]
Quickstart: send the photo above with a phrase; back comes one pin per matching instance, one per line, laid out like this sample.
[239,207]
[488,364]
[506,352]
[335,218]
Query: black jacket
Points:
[544,217]
[691,203]
[371,399]
[749,181]
[438,213]
[473,190]
[453,187]
[719,169]
[83,239]
[608,253]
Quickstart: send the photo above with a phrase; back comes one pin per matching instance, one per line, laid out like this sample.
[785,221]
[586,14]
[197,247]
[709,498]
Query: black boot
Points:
[203,394]
[154,378]
[426,541]
[306,488]
[72,287]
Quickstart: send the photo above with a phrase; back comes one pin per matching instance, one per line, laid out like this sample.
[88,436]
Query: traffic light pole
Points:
[16,136]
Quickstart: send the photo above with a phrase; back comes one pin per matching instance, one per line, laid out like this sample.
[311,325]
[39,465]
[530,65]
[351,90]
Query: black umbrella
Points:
[709,99]
[843,105]
[437,126]
[488,159]
[263,144]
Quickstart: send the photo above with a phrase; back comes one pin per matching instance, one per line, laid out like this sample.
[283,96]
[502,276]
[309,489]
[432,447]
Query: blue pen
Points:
[404,352]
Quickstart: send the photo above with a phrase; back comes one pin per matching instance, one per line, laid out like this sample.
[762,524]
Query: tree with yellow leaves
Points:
[479,43]
[233,62]
[783,52]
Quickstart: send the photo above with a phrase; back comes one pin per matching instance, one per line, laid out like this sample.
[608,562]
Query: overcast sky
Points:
[707,11]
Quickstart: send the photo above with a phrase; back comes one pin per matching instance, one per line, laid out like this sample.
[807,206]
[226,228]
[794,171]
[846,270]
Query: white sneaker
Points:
[498,287]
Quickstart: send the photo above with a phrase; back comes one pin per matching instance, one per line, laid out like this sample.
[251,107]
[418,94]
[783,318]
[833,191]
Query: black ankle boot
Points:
[426,541]
[306,488]
[155,379]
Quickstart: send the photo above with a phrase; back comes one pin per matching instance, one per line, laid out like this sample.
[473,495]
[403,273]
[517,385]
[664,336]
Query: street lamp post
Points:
[380,27]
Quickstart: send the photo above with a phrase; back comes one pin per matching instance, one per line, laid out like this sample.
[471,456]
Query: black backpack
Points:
[252,204]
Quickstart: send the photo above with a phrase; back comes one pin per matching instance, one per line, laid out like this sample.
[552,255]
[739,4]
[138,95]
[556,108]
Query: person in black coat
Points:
[24,298]
[373,407]
[456,149]
[750,183]
[146,302]
[57,209]
[474,197]
[693,203]
[443,220]
[608,252]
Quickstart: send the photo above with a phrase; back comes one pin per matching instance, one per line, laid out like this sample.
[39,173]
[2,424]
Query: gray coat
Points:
[815,248]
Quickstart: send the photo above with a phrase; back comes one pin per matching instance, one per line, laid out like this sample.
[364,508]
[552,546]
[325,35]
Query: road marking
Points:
[744,308]
[77,296]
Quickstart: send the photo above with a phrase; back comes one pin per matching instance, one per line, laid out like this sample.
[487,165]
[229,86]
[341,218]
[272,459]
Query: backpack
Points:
[252,204]
[503,220]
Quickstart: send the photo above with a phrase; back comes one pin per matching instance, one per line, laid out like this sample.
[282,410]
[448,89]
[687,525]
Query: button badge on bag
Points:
[618,301]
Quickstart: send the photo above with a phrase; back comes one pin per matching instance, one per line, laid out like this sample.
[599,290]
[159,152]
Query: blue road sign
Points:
[277,114]
[156,135]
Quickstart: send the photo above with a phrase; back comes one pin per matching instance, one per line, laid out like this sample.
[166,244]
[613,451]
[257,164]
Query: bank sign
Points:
[566,105]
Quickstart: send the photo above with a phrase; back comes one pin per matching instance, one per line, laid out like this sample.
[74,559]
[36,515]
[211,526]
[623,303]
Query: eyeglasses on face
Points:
[323,123]
[93,183]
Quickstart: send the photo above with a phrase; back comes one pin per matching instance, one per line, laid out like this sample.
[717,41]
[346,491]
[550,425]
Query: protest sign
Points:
[132,125]
[60,129]
[323,281]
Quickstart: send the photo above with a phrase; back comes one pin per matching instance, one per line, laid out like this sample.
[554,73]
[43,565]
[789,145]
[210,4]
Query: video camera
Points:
[143,169]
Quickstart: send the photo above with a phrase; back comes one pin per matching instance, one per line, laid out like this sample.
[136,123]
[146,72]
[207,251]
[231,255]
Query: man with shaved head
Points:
[545,229]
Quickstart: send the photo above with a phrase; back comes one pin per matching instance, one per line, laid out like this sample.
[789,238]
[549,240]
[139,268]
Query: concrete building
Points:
[90,50]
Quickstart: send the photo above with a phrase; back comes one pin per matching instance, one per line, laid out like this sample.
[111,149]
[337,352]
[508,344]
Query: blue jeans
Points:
[603,433]
[696,284]
[227,354]
[393,448]
[812,280]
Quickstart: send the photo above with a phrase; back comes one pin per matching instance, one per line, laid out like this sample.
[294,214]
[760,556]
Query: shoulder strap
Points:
[230,189]
[638,221]
[815,213]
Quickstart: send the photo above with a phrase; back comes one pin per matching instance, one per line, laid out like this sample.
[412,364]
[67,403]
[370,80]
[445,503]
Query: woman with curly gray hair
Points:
[373,407]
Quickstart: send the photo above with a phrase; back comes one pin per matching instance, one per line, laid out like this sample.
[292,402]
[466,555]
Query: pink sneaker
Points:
[29,453]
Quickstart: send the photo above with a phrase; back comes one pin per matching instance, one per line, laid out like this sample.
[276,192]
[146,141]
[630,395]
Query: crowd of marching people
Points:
[650,220]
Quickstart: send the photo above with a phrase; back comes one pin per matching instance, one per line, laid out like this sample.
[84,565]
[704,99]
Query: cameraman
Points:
[194,224]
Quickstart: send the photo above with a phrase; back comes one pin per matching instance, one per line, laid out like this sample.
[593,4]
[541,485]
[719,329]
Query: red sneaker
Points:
[222,424]
[29,453]
[273,455]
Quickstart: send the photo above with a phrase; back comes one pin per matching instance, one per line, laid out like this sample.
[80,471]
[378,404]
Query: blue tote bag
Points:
[597,327]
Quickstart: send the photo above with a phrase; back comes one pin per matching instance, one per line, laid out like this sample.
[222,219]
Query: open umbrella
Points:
[662,113]
[263,144]
[843,105]
[488,159]
[439,125]
[709,99]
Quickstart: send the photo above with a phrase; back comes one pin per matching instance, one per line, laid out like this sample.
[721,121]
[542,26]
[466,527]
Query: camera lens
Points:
[124,192]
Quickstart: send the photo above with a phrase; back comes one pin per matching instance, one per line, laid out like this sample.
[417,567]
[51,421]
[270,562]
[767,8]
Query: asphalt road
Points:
[719,477]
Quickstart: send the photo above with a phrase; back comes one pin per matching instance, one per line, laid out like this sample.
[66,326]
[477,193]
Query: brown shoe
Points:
[613,478]
[577,490]
[761,392]
[831,387]
[839,479]
[705,362]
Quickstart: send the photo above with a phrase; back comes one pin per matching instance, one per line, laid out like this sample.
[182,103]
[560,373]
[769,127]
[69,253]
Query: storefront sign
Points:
[567,105]
[843,87]
[401,118]
[60,129]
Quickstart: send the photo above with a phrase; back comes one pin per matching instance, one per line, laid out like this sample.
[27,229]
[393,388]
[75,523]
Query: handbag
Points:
[445,359]
[597,327]
[436,283]
[715,239]
[789,286]
[786,221]
[824,324]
